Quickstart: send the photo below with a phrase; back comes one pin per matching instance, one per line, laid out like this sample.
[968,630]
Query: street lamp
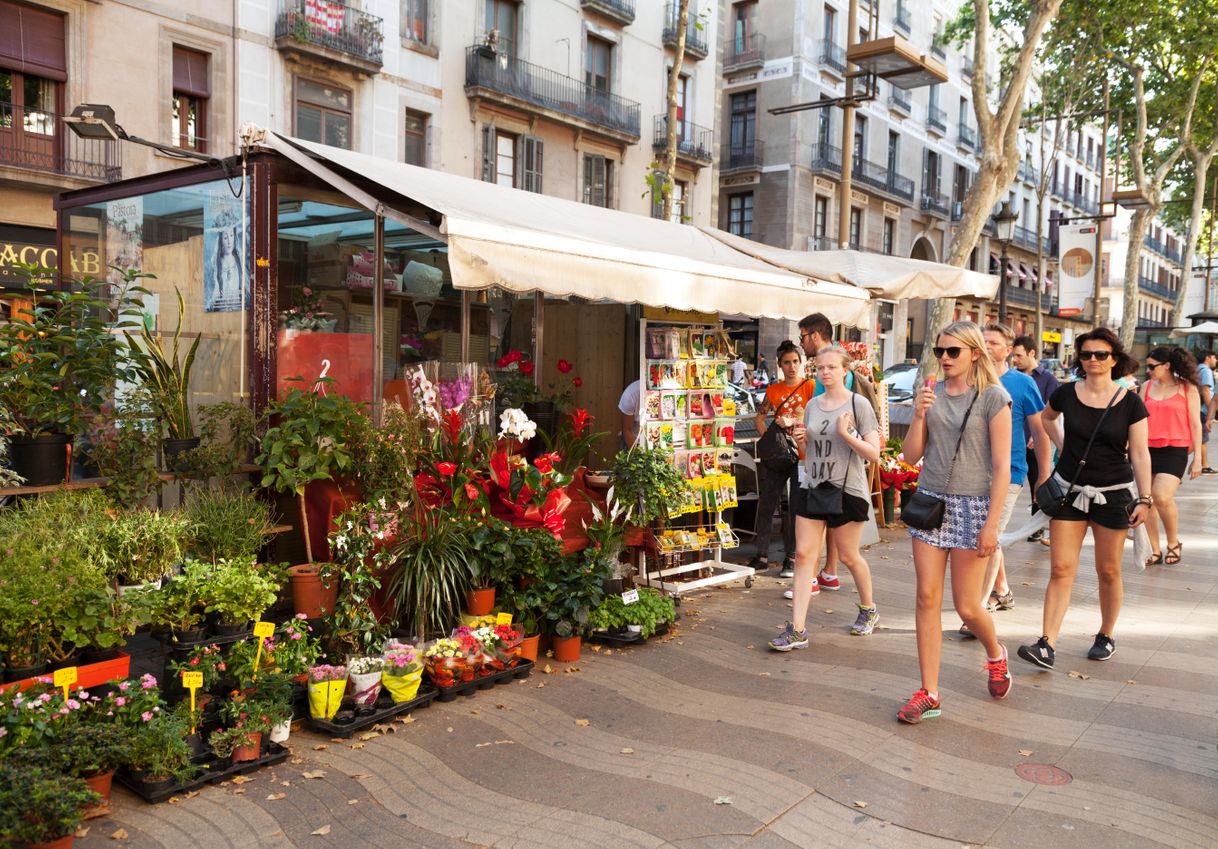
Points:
[97,121]
[1004,226]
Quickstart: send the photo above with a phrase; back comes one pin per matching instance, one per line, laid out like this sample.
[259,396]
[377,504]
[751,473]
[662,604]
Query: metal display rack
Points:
[673,551]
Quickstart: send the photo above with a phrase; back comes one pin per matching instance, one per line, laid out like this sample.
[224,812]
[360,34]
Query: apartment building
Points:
[1159,273]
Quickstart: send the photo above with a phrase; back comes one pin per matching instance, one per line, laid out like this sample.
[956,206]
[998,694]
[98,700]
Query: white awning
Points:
[525,242]
[886,276]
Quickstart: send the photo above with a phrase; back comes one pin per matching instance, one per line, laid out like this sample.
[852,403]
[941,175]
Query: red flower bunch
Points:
[528,494]
[450,473]
[574,439]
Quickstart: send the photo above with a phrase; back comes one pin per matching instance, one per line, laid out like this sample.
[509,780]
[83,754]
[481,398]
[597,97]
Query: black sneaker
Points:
[759,565]
[1036,535]
[1039,653]
[788,568]
[1104,647]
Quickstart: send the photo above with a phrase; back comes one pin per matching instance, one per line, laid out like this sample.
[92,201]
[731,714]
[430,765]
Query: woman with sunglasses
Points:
[961,431]
[1105,497]
[1173,402]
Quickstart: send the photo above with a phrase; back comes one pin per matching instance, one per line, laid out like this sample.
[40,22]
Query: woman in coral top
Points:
[1173,402]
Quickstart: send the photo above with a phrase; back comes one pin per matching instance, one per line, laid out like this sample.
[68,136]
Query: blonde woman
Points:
[839,431]
[961,431]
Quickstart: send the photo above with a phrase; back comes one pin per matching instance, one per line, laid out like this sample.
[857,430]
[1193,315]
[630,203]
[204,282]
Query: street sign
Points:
[1076,267]
[1051,336]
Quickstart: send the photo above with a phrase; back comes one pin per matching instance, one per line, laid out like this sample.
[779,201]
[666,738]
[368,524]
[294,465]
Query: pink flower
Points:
[120,701]
[73,704]
[146,716]
[296,635]
[301,616]
[124,685]
[44,698]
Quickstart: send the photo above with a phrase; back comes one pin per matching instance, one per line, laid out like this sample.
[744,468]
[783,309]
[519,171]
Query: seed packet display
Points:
[693,374]
[717,403]
[682,405]
[652,406]
[709,464]
[694,464]
[678,376]
[725,432]
[720,374]
[708,405]
[655,375]
[672,343]
[697,343]
[696,435]
[695,405]
[668,405]
[659,435]
[723,459]
[727,492]
[710,344]
[726,538]
[656,346]
[729,407]
[683,349]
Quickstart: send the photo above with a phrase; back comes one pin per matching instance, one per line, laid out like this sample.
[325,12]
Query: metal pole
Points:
[1099,226]
[1002,287]
[465,297]
[1040,242]
[539,316]
[843,203]
[1209,251]
[378,326]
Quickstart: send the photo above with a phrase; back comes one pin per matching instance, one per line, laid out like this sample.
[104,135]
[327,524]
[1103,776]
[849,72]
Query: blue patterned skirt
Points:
[963,517]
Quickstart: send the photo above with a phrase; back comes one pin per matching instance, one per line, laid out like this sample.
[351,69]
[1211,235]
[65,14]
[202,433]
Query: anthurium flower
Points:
[446,469]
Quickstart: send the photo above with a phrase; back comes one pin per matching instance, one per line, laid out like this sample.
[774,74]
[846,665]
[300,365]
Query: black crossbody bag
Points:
[924,511]
[776,450]
[1052,496]
[825,499]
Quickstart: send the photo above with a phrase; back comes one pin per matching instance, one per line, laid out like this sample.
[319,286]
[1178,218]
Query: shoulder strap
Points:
[960,438]
[790,395]
[1083,461]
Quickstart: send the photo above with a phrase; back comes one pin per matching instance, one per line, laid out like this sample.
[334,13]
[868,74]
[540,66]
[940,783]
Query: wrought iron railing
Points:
[1154,287]
[967,136]
[742,155]
[695,37]
[899,99]
[936,118]
[833,55]
[744,50]
[550,90]
[827,158]
[36,139]
[823,243]
[619,10]
[692,141]
[934,202]
[334,25]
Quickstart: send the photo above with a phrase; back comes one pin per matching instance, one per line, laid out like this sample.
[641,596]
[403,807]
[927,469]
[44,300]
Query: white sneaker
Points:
[790,594]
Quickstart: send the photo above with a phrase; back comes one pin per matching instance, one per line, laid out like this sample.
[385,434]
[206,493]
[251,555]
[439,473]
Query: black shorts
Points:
[1169,460]
[1110,515]
[854,509]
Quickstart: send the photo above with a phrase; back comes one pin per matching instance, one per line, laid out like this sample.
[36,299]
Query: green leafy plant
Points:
[227,431]
[225,741]
[571,589]
[651,610]
[308,442]
[142,546]
[94,618]
[123,445]
[646,479]
[159,749]
[431,573]
[386,455]
[237,591]
[362,547]
[84,749]
[205,659]
[165,377]
[179,605]
[38,804]
[226,522]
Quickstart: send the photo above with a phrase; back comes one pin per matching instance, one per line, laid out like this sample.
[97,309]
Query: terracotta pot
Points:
[64,842]
[566,649]
[309,595]
[480,602]
[100,784]
[528,647]
[635,536]
[250,752]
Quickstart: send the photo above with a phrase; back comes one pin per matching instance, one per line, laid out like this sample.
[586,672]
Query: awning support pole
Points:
[465,325]
[539,317]
[378,326]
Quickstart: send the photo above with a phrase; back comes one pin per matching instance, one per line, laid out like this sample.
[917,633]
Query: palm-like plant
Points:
[433,569]
[165,377]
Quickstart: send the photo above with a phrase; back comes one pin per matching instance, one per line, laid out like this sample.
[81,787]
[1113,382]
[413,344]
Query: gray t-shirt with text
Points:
[828,457]
[973,468]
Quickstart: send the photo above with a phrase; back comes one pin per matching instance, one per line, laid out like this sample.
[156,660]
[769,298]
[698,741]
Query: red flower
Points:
[446,469]
[502,362]
[579,381]
[471,492]
[581,420]
[564,366]
[526,368]
[544,464]
[451,425]
[514,356]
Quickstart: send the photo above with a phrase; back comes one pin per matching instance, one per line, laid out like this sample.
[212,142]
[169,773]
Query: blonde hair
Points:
[983,375]
[1001,329]
[846,359]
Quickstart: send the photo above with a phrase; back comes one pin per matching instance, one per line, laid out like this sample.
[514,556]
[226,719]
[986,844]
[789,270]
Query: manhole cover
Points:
[1043,774]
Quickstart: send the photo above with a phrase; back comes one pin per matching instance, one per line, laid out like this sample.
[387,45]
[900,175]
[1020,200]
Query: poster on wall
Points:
[223,248]
[1077,267]
[124,237]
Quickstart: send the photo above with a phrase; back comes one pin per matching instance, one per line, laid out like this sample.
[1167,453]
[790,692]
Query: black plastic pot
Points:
[20,673]
[194,635]
[225,629]
[173,449]
[42,460]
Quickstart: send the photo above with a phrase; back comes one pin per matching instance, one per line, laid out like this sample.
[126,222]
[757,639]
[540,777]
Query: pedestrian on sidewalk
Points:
[1024,357]
[961,430]
[1026,427]
[1206,360]
[839,432]
[1106,466]
[786,400]
[1173,406]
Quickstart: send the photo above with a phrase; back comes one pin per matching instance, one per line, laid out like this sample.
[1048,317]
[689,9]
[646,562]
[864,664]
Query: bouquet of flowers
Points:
[306,312]
[402,671]
[447,663]
[895,473]
[327,684]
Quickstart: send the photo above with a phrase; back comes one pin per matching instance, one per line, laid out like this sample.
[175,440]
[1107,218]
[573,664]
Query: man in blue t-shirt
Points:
[1205,376]
[1026,405]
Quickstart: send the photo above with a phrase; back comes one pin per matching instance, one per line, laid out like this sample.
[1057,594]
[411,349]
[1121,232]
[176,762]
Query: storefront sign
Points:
[34,245]
[679,316]
[1076,267]
[1051,336]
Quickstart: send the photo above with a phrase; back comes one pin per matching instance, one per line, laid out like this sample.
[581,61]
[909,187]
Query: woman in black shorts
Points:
[1172,396]
[1105,497]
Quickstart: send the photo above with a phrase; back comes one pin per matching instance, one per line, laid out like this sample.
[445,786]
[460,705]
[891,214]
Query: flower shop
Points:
[311,447]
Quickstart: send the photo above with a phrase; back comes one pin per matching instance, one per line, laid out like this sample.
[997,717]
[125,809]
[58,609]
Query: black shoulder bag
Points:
[924,511]
[776,450]
[825,499]
[1052,496]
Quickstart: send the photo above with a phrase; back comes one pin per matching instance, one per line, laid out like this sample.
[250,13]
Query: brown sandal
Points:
[1174,553]
[1155,559]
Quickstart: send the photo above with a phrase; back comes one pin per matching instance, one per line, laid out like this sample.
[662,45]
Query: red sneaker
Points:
[1000,676]
[919,707]
[828,582]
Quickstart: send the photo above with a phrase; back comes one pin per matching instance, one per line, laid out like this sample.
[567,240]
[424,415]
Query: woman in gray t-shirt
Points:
[971,408]
[838,433]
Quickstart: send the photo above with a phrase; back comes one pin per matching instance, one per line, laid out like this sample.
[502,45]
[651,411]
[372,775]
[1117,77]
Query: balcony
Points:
[741,156]
[833,55]
[966,137]
[1153,287]
[1081,201]
[966,67]
[901,20]
[936,119]
[1162,249]
[342,34]
[822,243]
[899,100]
[1025,237]
[827,159]
[621,11]
[937,45]
[37,141]
[523,85]
[935,204]
[1028,173]
[744,53]
[694,144]
[695,38]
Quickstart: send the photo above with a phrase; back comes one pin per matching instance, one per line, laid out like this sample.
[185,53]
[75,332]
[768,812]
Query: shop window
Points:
[890,236]
[598,177]
[191,91]
[416,15]
[323,113]
[740,215]
[415,131]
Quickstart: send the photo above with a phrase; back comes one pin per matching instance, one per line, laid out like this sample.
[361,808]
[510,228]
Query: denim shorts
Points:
[963,518]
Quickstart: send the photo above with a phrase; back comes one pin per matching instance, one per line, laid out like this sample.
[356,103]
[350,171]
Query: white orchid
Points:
[514,424]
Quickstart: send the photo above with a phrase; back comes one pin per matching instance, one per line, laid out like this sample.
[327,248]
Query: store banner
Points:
[1076,261]
[124,237]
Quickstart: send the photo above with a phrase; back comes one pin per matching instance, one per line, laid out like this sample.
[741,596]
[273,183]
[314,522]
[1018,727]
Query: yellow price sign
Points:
[192,681]
[264,629]
[503,619]
[66,677]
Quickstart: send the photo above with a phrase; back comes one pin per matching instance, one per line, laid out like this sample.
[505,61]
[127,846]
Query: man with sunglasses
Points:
[1205,376]
[1025,358]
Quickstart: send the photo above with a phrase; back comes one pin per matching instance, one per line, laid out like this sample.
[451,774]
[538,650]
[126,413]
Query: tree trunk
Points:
[670,124]
[1133,257]
[1201,167]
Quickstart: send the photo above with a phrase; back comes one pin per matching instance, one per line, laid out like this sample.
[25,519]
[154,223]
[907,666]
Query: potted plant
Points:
[235,743]
[168,381]
[92,751]
[207,659]
[365,675]
[225,522]
[645,479]
[327,684]
[178,607]
[644,617]
[431,575]
[140,547]
[122,442]
[236,592]
[607,534]
[489,546]
[252,712]
[447,663]
[573,587]
[160,754]
[402,672]
[273,692]
[227,431]
[40,807]
[293,649]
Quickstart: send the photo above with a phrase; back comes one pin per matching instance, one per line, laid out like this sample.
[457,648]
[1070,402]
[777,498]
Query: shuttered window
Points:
[531,155]
[598,172]
[32,41]
[191,92]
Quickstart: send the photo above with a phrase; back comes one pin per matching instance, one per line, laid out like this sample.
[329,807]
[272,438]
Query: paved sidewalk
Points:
[708,740]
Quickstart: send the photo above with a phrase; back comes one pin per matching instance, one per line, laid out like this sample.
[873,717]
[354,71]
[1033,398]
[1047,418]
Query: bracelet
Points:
[1145,499]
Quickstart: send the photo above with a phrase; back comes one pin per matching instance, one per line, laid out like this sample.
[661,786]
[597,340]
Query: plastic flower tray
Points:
[210,774]
[486,682]
[385,709]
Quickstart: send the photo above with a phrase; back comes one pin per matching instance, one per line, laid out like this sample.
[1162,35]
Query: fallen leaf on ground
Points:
[314,773]
[242,779]
[275,797]
[480,745]
[540,684]
[475,711]
[370,735]
[859,804]
[500,706]
[83,831]
[353,801]
[1027,753]
[828,610]
[723,800]
[750,647]
[763,673]
[1074,674]
[1026,583]
[320,747]
[356,776]
[581,723]
[281,784]
[321,832]
[359,745]
[595,648]
[608,652]
[382,727]
[119,834]
[299,761]
[502,742]
[405,720]
[1131,681]
[240,791]
[547,670]
[194,793]
[627,751]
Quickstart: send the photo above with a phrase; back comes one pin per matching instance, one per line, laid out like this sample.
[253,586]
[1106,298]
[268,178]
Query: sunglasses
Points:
[1152,366]
[1098,355]
[952,352]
